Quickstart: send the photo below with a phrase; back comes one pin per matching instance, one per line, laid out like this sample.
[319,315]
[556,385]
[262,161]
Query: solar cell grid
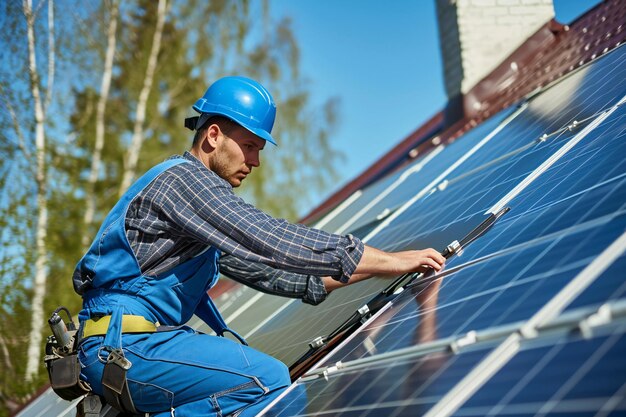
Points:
[589,183]
[500,165]
[610,288]
[558,377]
[407,385]
[501,290]
[428,172]
[365,197]
[476,188]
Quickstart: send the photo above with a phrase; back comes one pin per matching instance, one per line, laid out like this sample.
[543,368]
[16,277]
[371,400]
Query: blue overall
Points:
[177,371]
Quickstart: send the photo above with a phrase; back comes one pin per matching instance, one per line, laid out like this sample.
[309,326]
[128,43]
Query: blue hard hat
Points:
[242,100]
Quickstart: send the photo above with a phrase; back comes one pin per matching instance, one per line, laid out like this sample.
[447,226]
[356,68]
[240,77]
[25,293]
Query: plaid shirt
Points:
[189,207]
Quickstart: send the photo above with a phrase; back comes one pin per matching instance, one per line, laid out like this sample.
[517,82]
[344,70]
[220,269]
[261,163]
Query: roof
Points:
[552,52]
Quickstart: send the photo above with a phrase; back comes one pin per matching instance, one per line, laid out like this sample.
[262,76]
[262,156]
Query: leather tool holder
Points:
[64,370]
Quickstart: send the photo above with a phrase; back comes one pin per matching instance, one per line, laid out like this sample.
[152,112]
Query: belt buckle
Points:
[117,357]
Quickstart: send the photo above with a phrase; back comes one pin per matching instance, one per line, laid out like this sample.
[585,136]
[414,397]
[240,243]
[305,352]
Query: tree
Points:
[128,75]
[107,73]
[132,153]
[40,108]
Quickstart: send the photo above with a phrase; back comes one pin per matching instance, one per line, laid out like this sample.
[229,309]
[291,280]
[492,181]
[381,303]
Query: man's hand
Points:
[377,262]
[417,261]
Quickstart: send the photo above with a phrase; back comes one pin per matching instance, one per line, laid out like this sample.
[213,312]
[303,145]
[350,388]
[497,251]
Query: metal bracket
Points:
[117,357]
[469,339]
[90,406]
[317,342]
[599,318]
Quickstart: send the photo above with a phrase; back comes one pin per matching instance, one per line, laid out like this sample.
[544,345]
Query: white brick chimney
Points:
[477,35]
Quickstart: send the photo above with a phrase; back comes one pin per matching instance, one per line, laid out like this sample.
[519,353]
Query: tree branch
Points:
[18,130]
[100,112]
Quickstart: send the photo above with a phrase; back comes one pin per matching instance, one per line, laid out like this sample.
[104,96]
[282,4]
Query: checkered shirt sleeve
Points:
[188,207]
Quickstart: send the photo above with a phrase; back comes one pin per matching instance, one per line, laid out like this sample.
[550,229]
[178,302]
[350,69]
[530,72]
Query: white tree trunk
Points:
[41,257]
[100,112]
[137,139]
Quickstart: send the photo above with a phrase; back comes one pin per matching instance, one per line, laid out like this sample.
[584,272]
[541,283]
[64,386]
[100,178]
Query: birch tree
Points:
[40,107]
[107,73]
[138,137]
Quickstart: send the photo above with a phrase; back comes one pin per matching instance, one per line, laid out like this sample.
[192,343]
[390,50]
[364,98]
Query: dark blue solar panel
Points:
[501,290]
[428,173]
[560,223]
[348,213]
[477,191]
[580,377]
[512,286]
[415,383]
[609,288]
[588,183]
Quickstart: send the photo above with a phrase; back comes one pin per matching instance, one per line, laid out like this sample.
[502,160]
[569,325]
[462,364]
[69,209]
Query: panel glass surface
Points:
[555,228]
[501,290]
[558,378]
[476,185]
[405,387]
[418,180]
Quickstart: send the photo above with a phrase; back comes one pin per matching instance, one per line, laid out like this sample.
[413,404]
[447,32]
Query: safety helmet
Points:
[242,100]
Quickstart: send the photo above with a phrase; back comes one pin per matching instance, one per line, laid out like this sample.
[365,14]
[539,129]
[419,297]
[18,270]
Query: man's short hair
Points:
[225,124]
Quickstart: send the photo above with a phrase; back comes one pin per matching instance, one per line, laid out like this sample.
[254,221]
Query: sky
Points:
[382,60]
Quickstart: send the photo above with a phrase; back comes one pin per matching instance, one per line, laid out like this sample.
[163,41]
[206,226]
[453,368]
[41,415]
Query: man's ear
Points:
[212,136]
[209,139]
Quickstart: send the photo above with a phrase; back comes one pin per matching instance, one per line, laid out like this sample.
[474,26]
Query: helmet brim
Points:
[262,134]
[257,131]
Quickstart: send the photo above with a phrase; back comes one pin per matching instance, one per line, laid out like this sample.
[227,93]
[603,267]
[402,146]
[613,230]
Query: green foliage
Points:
[201,42]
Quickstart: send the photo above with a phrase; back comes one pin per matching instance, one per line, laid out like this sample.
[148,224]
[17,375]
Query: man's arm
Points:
[377,262]
[310,288]
[205,208]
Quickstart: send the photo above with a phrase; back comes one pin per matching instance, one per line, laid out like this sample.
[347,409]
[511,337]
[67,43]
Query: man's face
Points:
[236,154]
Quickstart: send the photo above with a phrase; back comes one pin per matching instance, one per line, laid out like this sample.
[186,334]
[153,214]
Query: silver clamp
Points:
[317,342]
[454,247]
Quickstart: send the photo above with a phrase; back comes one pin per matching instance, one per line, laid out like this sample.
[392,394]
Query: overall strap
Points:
[109,256]
[114,383]
[215,320]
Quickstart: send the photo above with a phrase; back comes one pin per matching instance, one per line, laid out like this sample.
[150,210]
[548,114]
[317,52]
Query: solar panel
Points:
[380,388]
[553,375]
[560,166]
[476,184]
[558,376]
[397,189]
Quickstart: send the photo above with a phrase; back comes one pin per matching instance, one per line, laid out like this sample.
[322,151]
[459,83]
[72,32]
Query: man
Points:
[157,253]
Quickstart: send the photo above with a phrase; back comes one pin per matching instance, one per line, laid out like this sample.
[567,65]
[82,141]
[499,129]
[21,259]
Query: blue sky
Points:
[382,60]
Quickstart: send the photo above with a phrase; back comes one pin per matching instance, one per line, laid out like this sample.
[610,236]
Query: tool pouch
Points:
[64,374]
[62,360]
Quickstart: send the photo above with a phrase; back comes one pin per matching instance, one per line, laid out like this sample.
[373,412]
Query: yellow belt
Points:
[130,324]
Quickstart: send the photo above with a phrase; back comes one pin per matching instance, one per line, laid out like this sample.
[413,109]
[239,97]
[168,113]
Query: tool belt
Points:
[64,368]
[130,324]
